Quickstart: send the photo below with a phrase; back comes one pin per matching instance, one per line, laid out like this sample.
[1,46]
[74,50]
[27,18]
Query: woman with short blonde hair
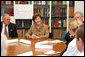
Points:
[73,25]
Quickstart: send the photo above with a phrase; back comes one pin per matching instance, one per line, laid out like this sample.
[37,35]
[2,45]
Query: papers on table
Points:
[56,41]
[44,46]
[40,44]
[41,55]
[14,40]
[30,53]
[48,41]
[21,40]
[25,41]
[52,52]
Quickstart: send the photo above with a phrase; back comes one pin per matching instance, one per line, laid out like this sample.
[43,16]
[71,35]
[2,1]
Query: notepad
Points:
[56,41]
[42,42]
[21,40]
[14,40]
[48,41]
[44,46]
[30,53]
[25,41]
[52,52]
[41,55]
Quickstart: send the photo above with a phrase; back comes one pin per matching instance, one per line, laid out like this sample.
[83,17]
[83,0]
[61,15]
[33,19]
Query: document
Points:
[44,46]
[41,55]
[52,52]
[26,54]
[56,41]
[42,42]
[48,41]
[21,40]
[14,40]
[25,41]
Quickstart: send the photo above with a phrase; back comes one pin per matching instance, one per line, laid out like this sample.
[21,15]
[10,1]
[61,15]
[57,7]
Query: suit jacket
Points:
[68,38]
[12,30]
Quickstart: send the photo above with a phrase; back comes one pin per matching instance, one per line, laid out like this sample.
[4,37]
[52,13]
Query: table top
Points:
[17,48]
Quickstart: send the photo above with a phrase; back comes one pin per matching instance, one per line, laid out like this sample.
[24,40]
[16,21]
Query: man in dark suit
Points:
[9,27]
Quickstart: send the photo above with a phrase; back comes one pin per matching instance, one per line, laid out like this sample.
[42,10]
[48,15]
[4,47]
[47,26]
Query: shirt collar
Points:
[5,25]
[40,26]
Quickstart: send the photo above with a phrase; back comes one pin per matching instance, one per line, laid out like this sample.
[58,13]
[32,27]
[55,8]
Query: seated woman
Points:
[72,49]
[73,25]
[38,30]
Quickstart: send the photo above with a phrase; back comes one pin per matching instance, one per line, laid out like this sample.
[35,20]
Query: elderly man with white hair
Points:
[8,28]
[79,15]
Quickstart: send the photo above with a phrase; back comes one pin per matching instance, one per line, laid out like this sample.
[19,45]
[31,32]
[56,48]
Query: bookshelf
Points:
[59,18]
[55,14]
[23,23]
[7,7]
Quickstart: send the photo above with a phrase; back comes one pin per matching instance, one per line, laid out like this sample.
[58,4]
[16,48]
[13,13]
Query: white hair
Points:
[5,15]
[81,14]
[3,45]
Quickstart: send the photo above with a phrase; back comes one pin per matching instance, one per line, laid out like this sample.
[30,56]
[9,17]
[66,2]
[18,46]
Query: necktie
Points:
[5,32]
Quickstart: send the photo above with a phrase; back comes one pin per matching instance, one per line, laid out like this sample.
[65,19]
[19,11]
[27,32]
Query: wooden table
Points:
[19,48]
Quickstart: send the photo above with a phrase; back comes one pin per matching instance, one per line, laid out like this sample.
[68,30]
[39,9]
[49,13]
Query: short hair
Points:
[5,15]
[72,24]
[81,14]
[80,32]
[35,16]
